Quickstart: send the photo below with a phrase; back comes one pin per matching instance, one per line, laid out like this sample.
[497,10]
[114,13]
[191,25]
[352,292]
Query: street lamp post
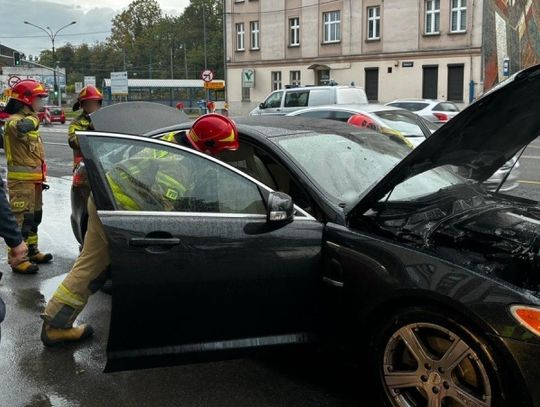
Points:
[52,35]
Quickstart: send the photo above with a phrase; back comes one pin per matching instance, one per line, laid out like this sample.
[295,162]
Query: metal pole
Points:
[225,49]
[205,53]
[55,66]
[172,66]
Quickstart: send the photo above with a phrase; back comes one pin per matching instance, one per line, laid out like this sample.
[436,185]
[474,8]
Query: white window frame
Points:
[255,29]
[332,27]
[460,10]
[295,77]
[374,22]
[294,31]
[431,13]
[276,80]
[240,37]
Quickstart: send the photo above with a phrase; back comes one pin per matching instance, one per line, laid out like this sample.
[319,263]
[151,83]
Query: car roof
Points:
[364,107]
[418,100]
[265,127]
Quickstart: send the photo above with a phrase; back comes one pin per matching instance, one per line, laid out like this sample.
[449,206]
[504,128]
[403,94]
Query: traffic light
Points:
[17,58]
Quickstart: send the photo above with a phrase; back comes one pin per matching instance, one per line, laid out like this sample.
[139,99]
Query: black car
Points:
[429,279]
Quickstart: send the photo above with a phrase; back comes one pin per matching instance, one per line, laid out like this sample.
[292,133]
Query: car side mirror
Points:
[280,208]
[262,106]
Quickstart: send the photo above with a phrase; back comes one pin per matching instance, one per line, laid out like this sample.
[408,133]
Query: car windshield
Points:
[344,166]
[411,106]
[401,121]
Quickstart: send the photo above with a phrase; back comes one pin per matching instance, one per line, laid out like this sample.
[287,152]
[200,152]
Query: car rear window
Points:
[410,106]
[446,107]
[402,121]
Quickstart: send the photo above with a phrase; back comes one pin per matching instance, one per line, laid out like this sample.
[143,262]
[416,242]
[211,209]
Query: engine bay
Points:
[491,234]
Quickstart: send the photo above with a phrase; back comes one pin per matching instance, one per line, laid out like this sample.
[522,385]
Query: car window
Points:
[144,176]
[342,116]
[446,107]
[410,106]
[318,114]
[402,121]
[274,100]
[56,112]
[297,98]
[320,97]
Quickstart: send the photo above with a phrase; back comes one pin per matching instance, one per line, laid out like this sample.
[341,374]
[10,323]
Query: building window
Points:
[332,26]
[240,37]
[433,16]
[276,80]
[294,32]
[255,35]
[295,78]
[459,16]
[374,23]
[246,94]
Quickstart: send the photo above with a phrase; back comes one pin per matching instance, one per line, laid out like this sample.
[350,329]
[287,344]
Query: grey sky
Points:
[93,21]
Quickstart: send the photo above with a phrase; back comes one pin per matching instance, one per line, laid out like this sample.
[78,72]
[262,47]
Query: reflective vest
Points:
[25,154]
[80,123]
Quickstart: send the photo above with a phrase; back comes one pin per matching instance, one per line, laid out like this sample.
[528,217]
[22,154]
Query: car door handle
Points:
[153,241]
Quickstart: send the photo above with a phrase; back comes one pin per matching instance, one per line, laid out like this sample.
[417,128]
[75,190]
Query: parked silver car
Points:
[436,111]
[414,127]
[410,125]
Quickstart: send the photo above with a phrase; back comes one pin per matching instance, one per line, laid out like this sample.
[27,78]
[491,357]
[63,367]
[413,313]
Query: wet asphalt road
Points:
[33,376]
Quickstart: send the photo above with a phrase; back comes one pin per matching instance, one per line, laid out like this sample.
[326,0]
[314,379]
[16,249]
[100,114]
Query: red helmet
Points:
[362,120]
[27,90]
[89,92]
[213,133]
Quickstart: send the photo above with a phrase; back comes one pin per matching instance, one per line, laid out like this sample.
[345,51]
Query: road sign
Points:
[78,87]
[506,67]
[207,75]
[12,81]
[214,85]
[119,84]
[248,78]
[89,80]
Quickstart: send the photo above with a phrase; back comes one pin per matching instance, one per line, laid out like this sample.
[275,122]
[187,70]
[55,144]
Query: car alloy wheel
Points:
[426,364]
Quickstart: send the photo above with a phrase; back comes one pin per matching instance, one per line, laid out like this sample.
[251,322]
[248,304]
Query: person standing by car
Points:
[25,157]
[209,134]
[90,100]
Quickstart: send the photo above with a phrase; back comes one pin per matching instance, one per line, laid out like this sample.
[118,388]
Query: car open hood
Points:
[481,138]
[136,118]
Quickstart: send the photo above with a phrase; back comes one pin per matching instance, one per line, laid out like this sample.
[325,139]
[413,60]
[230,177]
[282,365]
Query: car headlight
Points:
[527,316]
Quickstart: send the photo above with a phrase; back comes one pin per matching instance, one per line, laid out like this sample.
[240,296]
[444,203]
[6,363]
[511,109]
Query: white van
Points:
[284,101]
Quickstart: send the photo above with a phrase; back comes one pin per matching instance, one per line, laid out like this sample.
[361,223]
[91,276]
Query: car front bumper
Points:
[527,358]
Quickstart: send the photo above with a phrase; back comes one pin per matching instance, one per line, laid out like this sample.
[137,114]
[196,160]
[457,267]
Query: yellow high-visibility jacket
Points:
[24,151]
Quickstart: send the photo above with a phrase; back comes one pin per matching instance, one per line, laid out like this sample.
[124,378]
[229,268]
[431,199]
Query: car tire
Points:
[449,362]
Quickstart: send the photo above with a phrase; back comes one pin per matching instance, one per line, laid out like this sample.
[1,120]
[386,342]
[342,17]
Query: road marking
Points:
[534,157]
[529,182]
[533,146]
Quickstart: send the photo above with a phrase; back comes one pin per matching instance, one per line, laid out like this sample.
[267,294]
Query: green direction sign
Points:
[248,78]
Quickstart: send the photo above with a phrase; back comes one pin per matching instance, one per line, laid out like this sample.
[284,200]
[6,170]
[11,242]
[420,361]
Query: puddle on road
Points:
[34,299]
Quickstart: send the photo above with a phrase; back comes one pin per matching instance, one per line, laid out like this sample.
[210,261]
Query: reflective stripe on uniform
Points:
[22,173]
[32,239]
[69,298]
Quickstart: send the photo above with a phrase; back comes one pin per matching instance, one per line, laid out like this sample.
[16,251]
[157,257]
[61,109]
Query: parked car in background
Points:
[281,102]
[436,111]
[57,114]
[407,123]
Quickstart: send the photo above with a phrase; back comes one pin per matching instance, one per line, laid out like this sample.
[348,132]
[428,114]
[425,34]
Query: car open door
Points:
[198,269]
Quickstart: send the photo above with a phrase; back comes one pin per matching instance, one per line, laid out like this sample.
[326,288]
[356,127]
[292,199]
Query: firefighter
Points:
[364,121]
[26,168]
[209,134]
[90,100]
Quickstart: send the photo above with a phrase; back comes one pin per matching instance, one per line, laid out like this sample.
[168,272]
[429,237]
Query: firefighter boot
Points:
[38,257]
[26,267]
[51,336]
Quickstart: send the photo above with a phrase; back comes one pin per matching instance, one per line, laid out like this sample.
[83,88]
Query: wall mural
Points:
[510,30]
